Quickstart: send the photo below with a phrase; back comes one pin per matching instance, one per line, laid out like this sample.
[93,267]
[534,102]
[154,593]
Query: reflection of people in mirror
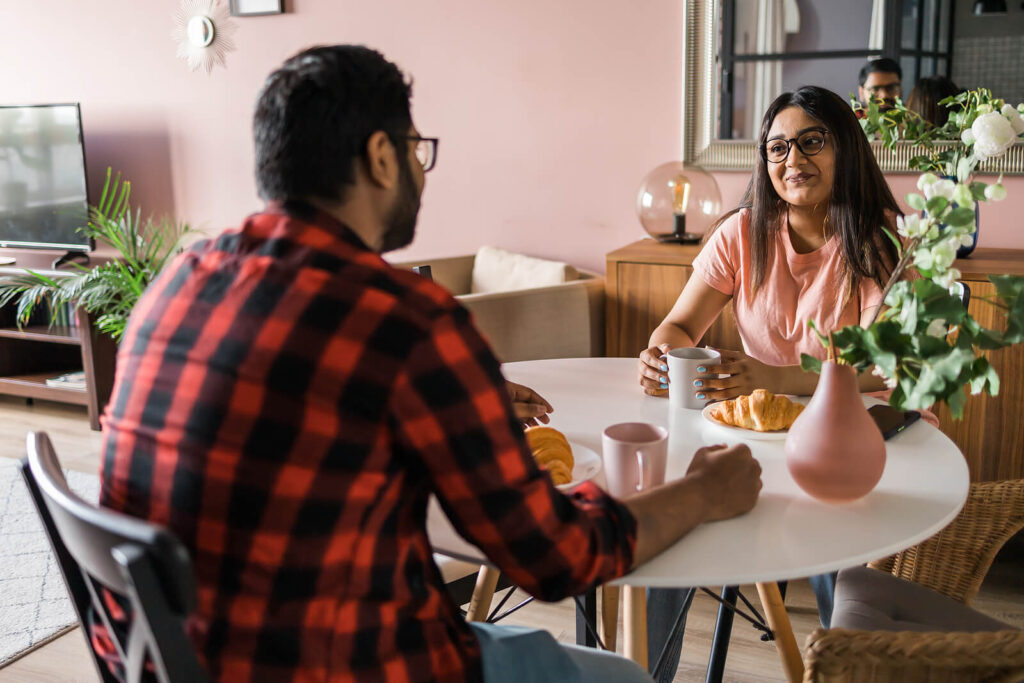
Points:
[880,79]
[926,95]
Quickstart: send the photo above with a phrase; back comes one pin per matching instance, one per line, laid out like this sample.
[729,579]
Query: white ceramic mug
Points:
[635,457]
[682,371]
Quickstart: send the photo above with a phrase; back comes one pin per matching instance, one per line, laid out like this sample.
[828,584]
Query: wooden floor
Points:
[66,658]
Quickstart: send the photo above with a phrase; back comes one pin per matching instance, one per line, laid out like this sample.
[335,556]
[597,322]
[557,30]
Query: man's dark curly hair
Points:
[315,115]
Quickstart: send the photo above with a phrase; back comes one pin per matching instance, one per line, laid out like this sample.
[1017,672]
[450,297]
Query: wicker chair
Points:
[953,562]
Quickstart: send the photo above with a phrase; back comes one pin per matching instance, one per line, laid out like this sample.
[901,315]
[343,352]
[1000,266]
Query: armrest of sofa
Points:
[559,321]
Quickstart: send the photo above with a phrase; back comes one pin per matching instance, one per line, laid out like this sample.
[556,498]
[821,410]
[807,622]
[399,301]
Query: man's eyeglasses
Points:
[426,150]
[809,142]
[882,91]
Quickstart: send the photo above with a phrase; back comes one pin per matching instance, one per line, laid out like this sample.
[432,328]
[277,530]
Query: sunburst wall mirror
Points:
[202,30]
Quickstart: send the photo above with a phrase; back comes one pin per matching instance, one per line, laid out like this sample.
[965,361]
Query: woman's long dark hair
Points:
[860,205]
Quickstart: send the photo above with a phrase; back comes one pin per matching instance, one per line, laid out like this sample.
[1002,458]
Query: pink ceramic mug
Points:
[635,457]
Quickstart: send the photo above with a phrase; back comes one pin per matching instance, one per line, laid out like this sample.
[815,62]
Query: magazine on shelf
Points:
[69,380]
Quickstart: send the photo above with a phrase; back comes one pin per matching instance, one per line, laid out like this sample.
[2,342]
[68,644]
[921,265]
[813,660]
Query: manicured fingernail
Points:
[698,382]
[664,386]
[701,396]
[664,368]
[702,369]
[662,380]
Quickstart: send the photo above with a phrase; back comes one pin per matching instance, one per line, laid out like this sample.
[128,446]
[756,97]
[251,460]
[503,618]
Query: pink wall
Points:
[549,113]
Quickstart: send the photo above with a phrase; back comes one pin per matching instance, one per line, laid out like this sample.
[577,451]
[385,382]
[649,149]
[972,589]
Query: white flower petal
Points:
[995,193]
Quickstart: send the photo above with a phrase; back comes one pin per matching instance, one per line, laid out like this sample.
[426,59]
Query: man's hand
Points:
[729,476]
[530,407]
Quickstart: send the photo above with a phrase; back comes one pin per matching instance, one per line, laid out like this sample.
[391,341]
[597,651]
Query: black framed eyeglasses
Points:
[809,142]
[426,150]
[887,90]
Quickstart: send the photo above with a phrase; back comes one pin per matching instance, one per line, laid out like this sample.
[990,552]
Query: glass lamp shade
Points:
[678,202]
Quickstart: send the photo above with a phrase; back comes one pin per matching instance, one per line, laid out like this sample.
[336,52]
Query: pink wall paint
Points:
[549,114]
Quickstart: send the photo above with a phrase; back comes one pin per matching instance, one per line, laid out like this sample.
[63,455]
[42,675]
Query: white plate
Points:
[586,465]
[741,433]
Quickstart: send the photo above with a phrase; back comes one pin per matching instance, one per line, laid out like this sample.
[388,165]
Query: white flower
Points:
[963,197]
[937,328]
[890,382]
[993,135]
[947,279]
[944,253]
[926,179]
[985,109]
[967,137]
[995,193]
[967,239]
[1015,119]
[911,226]
[942,187]
[923,259]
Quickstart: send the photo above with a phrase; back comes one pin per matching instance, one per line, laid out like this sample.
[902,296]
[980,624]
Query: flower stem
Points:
[897,273]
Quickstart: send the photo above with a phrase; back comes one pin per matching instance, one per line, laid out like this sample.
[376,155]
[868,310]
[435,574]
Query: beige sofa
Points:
[558,321]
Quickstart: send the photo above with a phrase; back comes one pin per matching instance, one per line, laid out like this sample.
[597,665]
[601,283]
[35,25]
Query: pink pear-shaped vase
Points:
[834,450]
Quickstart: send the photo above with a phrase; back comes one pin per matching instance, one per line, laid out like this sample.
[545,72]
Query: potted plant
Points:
[107,292]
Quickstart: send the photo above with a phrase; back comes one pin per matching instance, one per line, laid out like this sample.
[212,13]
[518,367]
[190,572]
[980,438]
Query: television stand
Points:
[37,352]
[70,256]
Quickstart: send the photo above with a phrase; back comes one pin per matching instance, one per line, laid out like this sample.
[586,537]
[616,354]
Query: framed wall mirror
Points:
[738,55]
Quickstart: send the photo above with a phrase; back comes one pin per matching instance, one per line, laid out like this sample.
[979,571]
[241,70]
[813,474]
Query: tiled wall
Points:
[993,63]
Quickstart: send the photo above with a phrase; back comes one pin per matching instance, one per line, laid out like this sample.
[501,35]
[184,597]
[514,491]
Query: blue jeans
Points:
[824,587]
[663,606]
[516,654]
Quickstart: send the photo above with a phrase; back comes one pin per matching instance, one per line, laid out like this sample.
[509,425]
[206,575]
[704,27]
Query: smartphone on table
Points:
[891,421]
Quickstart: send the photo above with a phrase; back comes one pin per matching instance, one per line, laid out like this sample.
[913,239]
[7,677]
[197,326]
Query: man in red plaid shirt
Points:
[286,402]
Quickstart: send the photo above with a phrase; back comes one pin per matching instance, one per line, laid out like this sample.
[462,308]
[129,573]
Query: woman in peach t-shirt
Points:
[805,244]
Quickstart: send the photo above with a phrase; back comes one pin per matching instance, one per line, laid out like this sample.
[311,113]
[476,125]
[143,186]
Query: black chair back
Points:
[96,549]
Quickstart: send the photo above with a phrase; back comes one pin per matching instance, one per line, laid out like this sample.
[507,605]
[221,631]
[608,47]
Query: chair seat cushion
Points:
[497,270]
[871,600]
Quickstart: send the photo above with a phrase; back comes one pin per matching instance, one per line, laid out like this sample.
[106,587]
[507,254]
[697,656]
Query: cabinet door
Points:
[991,432]
[643,295]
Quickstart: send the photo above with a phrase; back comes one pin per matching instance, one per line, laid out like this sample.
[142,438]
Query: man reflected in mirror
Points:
[880,79]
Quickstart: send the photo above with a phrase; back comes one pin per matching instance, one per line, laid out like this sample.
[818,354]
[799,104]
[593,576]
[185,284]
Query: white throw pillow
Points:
[497,270]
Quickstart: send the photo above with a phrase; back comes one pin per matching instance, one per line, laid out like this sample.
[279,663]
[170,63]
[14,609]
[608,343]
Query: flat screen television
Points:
[43,190]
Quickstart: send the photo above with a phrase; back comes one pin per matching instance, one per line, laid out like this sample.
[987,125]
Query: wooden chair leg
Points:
[480,603]
[778,622]
[634,637]
[610,616]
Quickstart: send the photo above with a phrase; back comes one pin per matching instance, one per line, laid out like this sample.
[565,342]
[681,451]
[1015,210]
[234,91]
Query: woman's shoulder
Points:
[734,227]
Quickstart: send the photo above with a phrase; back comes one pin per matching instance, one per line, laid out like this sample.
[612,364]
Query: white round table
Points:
[788,534]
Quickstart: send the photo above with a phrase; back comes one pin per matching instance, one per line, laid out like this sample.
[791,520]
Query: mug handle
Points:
[641,470]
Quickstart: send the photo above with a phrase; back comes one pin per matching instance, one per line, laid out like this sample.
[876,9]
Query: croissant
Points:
[552,452]
[761,411]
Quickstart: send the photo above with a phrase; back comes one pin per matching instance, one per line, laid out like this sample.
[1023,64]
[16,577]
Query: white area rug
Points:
[34,604]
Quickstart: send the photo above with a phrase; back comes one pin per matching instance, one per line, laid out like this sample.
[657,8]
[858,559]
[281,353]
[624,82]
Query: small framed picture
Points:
[252,8]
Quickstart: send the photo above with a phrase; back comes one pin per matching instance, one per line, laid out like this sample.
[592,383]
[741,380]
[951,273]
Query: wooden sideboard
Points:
[644,278]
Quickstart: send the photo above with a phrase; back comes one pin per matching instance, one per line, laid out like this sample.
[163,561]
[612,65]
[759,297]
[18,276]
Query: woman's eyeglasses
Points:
[426,150]
[810,142]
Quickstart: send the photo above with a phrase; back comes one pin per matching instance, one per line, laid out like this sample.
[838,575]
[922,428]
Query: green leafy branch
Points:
[110,291]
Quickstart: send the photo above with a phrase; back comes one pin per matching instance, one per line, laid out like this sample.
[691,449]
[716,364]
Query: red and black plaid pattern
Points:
[285,403]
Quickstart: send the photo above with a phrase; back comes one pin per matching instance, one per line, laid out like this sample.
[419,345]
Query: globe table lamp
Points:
[678,202]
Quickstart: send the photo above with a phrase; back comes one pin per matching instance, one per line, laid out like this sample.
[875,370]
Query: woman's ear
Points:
[381,160]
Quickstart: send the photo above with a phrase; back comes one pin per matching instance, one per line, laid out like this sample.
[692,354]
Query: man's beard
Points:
[401,224]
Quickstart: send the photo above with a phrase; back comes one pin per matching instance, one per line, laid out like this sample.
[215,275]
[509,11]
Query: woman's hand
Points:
[654,370]
[530,407]
[742,374]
